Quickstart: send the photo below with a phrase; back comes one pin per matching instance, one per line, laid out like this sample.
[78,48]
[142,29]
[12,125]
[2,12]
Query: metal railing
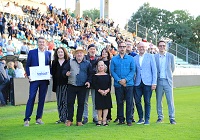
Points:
[179,51]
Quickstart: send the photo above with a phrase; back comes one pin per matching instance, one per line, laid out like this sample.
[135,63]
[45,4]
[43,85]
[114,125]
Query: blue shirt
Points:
[122,68]
[162,59]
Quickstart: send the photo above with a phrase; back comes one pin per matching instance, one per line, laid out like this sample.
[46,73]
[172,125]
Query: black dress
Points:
[102,82]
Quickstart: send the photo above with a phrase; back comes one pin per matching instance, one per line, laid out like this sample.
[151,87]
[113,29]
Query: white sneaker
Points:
[39,121]
[26,123]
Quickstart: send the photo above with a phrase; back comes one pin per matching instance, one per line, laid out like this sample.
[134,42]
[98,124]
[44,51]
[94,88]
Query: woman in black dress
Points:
[59,82]
[106,57]
[102,85]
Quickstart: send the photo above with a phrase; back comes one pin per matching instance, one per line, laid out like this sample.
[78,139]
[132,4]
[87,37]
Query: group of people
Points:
[135,75]
[7,73]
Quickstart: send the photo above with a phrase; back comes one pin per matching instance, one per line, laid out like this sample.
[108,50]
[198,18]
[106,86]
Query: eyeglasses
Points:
[161,45]
[122,46]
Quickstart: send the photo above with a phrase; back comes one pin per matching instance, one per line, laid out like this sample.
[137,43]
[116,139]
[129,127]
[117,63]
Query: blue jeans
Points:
[2,86]
[85,112]
[146,91]
[2,100]
[124,93]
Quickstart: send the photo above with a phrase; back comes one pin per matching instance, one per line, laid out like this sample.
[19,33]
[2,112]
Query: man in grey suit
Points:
[145,81]
[165,66]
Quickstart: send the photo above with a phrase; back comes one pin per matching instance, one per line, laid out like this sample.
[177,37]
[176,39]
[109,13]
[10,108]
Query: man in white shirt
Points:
[37,57]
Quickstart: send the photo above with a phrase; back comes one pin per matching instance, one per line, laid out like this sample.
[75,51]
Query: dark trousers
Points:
[146,91]
[10,33]
[72,92]
[2,28]
[124,93]
[43,86]
[61,95]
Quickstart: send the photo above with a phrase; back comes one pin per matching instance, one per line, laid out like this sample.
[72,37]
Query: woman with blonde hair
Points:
[102,84]
[10,70]
[19,71]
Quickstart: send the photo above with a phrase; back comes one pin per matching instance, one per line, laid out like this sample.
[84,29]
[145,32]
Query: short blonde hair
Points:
[11,65]
[105,69]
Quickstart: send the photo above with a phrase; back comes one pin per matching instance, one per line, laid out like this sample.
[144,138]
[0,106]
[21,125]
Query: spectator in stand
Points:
[10,70]
[64,39]
[2,23]
[3,83]
[19,70]
[51,47]
[60,83]
[71,44]
[20,26]
[24,49]
[1,52]
[3,40]
[10,48]
[50,8]
[7,4]
[10,29]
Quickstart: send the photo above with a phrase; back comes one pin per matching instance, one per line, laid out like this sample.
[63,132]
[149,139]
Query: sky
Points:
[121,10]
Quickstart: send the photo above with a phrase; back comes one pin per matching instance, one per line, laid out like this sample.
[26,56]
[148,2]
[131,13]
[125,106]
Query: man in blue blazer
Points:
[165,66]
[37,57]
[145,82]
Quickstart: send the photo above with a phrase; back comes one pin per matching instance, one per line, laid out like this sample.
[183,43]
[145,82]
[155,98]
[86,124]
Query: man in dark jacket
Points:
[92,58]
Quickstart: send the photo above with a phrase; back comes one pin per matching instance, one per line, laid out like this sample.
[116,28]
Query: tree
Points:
[178,25]
[196,33]
[152,21]
[93,13]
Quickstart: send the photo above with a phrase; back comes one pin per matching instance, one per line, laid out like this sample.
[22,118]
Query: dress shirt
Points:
[41,57]
[162,59]
[141,59]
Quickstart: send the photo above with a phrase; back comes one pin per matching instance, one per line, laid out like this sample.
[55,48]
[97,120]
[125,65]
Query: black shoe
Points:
[116,120]
[133,120]
[159,121]
[85,120]
[129,124]
[120,123]
[95,120]
[106,124]
[98,124]
[172,121]
[58,121]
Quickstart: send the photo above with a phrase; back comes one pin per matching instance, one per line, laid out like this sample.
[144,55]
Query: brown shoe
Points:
[68,123]
[79,124]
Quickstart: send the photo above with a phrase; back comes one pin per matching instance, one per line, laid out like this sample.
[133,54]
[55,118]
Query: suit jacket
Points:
[169,68]
[33,60]
[147,72]
[2,69]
